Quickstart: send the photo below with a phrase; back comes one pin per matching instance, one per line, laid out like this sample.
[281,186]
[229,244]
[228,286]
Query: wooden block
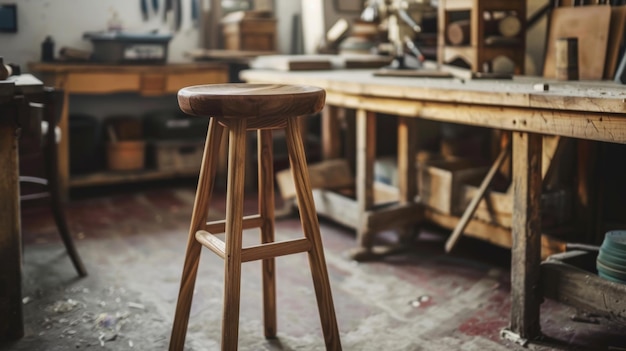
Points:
[330,174]
[497,207]
[439,183]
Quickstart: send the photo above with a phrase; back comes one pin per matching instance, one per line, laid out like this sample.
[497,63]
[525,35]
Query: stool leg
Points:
[266,210]
[234,229]
[206,182]
[310,226]
[52,173]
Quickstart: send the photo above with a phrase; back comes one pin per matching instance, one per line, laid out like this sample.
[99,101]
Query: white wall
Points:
[67,20]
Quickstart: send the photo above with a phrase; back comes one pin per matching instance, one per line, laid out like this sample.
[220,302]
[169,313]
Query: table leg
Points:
[526,233]
[11,318]
[366,155]
[331,133]
[407,171]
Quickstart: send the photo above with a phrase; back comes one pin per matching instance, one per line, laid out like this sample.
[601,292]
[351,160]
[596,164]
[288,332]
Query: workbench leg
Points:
[365,158]
[11,318]
[407,172]
[526,233]
[331,133]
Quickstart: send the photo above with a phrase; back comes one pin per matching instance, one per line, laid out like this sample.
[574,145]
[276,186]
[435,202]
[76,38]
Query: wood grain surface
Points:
[251,100]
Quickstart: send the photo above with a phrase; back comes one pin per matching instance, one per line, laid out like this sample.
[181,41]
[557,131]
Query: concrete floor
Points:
[132,242]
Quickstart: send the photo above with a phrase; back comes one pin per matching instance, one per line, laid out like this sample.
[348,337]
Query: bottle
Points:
[47,50]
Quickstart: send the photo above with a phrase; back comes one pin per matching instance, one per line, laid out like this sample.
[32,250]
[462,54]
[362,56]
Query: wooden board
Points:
[616,36]
[569,278]
[292,62]
[365,61]
[590,24]
[414,73]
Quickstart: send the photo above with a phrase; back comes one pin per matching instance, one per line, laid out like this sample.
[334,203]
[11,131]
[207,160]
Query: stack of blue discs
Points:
[611,262]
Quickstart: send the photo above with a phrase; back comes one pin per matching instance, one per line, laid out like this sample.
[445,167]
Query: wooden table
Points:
[14,94]
[584,110]
[99,79]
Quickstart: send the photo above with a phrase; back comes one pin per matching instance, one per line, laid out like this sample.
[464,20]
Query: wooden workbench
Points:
[99,79]
[584,110]
[14,97]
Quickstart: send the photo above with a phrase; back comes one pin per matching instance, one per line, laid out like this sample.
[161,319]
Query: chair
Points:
[262,108]
[39,165]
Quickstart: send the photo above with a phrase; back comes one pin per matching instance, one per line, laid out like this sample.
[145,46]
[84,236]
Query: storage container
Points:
[120,47]
[86,144]
[173,124]
[126,155]
[183,156]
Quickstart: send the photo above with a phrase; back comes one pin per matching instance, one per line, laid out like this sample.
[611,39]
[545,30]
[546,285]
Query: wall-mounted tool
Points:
[145,13]
[195,13]
[167,9]
[178,14]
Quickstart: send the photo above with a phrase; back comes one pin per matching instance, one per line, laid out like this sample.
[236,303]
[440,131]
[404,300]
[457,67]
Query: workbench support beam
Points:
[526,233]
[407,170]
[365,158]
[331,133]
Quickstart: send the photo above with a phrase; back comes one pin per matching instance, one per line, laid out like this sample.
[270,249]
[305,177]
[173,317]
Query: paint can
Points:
[566,52]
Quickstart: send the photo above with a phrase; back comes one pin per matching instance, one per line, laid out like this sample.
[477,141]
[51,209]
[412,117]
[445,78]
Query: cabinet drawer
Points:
[94,83]
[177,81]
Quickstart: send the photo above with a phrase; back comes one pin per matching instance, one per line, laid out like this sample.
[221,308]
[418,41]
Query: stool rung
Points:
[212,242]
[256,252]
[269,250]
[249,222]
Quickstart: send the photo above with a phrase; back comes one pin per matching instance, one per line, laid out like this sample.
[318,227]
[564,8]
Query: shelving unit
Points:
[99,79]
[479,31]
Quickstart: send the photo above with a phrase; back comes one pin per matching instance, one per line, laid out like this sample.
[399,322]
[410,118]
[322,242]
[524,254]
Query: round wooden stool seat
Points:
[240,100]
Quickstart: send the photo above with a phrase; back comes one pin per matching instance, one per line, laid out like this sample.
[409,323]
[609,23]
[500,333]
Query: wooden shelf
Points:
[116,177]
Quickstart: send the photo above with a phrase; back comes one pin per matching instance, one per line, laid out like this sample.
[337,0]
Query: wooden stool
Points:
[242,107]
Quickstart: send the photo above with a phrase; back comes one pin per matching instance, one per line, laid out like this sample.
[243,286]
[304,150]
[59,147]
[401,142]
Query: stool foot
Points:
[311,229]
[206,181]
[183,306]
[59,218]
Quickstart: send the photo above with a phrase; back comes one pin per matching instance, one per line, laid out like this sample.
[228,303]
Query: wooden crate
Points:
[329,174]
[249,32]
[181,156]
[439,183]
[497,207]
